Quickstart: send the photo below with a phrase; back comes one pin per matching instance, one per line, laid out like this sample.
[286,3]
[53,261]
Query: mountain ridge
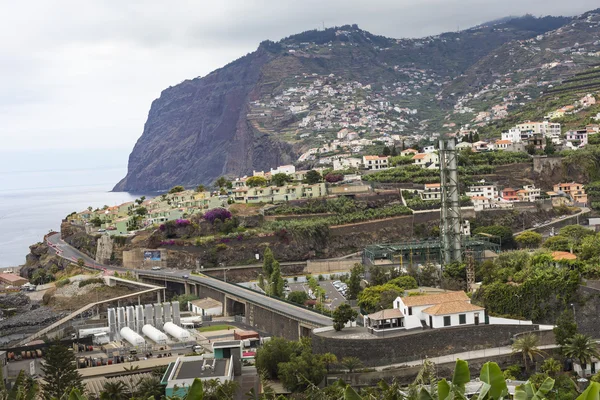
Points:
[221,124]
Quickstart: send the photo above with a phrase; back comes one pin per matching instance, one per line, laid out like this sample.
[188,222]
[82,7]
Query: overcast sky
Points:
[77,74]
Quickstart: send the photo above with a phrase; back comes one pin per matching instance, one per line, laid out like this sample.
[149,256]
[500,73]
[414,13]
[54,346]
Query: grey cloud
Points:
[83,74]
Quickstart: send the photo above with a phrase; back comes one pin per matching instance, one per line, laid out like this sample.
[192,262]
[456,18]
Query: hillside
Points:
[269,106]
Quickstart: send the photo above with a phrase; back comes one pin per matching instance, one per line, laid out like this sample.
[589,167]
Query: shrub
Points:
[62,282]
[221,247]
[90,281]
[221,214]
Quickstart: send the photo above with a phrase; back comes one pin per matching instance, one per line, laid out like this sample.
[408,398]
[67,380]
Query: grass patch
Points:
[214,328]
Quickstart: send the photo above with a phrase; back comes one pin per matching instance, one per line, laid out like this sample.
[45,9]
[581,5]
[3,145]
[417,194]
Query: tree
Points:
[549,149]
[312,177]
[529,239]
[575,233]
[255,181]
[552,367]
[221,182]
[354,281]
[115,391]
[404,282]
[276,283]
[394,151]
[581,347]
[343,314]
[351,363]
[429,275]
[60,372]
[200,188]
[302,371]
[590,247]
[329,359]
[557,243]
[96,221]
[275,351]
[565,328]
[498,234]
[141,211]
[176,189]
[149,387]
[298,297]
[268,261]
[377,297]
[377,275]
[527,345]
[281,179]
[386,151]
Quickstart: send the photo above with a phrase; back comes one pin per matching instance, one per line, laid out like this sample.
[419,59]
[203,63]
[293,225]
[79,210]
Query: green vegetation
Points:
[298,297]
[527,286]
[312,177]
[183,300]
[176,189]
[90,281]
[565,328]
[343,314]
[529,239]
[281,179]
[255,181]
[60,372]
[414,201]
[384,290]
[214,328]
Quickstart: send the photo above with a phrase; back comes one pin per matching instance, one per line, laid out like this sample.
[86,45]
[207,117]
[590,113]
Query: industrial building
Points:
[181,374]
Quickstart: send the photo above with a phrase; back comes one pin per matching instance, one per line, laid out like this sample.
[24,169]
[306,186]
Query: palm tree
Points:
[552,367]
[149,387]
[114,391]
[527,345]
[328,359]
[581,347]
[351,363]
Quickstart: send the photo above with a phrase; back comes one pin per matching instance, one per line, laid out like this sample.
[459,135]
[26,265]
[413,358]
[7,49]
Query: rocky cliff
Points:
[229,123]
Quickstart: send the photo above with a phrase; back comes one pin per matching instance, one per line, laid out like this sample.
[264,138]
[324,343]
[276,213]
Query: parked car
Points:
[156,268]
[185,276]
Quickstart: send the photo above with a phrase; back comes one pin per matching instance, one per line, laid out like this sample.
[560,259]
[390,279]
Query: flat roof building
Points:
[12,279]
[180,374]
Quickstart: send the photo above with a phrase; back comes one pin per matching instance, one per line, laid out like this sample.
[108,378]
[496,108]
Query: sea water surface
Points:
[38,189]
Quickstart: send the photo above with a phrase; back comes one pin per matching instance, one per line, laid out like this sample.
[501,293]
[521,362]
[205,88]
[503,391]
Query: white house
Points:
[346,163]
[439,310]
[586,369]
[376,162]
[481,203]
[503,144]
[482,188]
[428,149]
[206,306]
[432,191]
[408,152]
[284,169]
[427,160]
[482,146]
[464,145]
[513,134]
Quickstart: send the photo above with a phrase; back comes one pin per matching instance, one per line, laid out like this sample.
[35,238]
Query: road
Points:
[64,250]
[582,211]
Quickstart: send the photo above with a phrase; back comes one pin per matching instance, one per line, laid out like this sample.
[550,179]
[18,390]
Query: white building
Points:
[529,193]
[284,169]
[408,152]
[439,310]
[546,128]
[206,306]
[481,203]
[376,162]
[427,160]
[484,189]
[346,163]
[513,134]
[428,149]
[432,191]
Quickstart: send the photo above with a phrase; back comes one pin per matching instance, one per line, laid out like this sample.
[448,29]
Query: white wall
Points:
[508,321]
[438,320]
[588,368]
[215,311]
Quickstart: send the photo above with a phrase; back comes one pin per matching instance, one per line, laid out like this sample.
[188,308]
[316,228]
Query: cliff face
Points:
[197,131]
[232,121]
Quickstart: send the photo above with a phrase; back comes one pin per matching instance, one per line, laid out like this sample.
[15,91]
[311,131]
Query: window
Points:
[447,320]
[409,310]
[462,319]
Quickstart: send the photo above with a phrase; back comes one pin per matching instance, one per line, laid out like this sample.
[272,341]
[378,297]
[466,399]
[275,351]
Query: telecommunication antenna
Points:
[450,230]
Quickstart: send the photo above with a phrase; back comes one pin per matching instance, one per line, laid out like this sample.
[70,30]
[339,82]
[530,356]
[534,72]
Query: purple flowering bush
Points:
[217,214]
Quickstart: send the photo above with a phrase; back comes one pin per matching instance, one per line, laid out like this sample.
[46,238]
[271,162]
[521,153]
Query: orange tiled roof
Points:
[431,299]
[563,255]
[452,307]
[386,314]
[419,156]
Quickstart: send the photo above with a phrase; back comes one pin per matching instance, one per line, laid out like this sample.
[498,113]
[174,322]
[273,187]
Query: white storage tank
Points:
[154,334]
[92,331]
[131,336]
[176,331]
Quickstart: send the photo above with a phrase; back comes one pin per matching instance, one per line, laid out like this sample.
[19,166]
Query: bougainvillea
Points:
[217,214]
[182,223]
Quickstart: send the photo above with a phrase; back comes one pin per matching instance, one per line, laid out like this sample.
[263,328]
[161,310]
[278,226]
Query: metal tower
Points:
[450,229]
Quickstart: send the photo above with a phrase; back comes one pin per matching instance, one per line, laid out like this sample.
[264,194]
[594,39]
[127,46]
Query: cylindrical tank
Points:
[154,334]
[131,336]
[176,331]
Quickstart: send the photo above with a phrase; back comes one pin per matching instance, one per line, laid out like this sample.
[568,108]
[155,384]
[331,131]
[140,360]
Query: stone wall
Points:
[104,249]
[588,309]
[134,259]
[420,344]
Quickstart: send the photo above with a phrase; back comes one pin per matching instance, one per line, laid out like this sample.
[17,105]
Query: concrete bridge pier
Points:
[158,297]
[233,306]
[186,286]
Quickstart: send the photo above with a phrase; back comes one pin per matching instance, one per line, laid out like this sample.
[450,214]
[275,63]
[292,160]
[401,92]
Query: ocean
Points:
[38,189]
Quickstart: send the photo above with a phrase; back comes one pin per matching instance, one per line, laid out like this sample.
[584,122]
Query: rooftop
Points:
[563,255]
[386,314]
[196,367]
[431,299]
[7,277]
[452,307]
[227,343]
[206,303]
